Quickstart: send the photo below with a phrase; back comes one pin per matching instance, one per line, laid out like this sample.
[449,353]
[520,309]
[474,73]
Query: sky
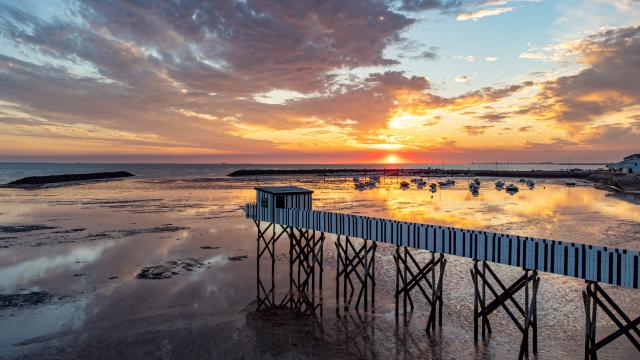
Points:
[359,81]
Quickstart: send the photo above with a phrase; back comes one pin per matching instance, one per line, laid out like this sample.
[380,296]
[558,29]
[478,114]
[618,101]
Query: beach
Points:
[163,265]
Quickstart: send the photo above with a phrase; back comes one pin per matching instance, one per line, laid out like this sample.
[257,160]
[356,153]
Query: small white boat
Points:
[499,184]
[511,188]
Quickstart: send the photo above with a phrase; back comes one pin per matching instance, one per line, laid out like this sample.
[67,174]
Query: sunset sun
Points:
[391,159]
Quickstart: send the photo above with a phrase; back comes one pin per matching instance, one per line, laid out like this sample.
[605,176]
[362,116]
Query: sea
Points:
[165,265]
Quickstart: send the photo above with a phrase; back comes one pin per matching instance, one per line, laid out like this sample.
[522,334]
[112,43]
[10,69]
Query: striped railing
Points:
[595,263]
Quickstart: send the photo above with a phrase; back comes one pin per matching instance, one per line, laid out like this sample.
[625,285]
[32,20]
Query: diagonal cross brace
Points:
[502,299]
[408,279]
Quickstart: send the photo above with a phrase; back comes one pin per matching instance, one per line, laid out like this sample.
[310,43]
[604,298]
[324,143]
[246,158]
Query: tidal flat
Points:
[157,267]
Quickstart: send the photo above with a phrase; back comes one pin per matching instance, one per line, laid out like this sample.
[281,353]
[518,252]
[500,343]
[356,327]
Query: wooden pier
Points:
[291,208]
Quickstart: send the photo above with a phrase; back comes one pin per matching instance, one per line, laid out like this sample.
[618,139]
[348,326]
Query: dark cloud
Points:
[421,5]
[427,55]
[259,44]
[396,80]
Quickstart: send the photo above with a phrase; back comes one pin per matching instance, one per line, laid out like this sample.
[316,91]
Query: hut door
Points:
[280,202]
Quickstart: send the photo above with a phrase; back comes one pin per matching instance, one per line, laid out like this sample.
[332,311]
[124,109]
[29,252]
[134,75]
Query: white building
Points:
[629,165]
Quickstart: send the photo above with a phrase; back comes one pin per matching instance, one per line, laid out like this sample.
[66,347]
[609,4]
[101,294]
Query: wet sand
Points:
[82,249]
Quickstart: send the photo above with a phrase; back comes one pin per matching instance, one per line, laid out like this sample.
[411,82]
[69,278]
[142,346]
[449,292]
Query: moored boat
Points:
[512,188]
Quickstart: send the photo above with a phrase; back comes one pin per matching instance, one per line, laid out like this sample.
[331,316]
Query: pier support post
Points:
[529,281]
[411,275]
[594,296]
[305,270]
[355,268]
[266,245]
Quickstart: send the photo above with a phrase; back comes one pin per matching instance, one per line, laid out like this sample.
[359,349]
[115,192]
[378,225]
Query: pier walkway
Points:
[291,208]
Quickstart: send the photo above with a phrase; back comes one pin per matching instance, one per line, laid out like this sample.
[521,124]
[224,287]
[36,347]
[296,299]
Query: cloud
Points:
[463,79]
[476,129]
[609,83]
[493,117]
[475,15]
[421,5]
[430,54]
[468,58]
[616,135]
[491,59]
[183,70]
[258,77]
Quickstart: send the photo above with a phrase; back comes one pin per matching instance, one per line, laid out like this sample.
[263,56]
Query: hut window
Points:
[280,202]
[265,202]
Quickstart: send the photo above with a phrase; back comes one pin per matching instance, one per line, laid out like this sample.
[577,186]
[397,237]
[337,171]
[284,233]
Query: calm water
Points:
[85,244]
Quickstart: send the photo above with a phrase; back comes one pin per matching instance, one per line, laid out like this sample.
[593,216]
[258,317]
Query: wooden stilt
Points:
[305,265]
[305,261]
[503,299]
[356,268]
[266,240]
[411,275]
[594,296]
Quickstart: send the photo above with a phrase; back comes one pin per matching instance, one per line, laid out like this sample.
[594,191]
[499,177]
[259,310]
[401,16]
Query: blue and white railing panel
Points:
[595,263]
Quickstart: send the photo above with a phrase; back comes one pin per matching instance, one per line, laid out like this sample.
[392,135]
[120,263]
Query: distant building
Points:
[629,165]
